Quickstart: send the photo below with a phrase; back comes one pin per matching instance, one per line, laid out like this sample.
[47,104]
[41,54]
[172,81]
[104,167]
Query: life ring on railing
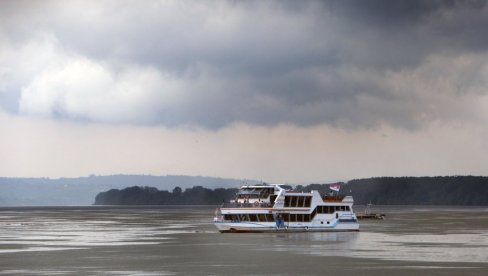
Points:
[256,204]
[306,228]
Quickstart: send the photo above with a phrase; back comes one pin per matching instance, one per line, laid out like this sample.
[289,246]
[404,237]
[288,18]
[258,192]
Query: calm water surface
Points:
[183,241]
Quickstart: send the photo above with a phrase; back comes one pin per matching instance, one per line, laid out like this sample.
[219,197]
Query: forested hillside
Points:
[452,190]
[197,195]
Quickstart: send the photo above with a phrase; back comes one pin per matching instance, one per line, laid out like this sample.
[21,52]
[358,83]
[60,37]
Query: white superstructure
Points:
[270,207]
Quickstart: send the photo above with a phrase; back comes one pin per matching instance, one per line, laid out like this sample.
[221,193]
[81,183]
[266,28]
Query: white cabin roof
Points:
[261,186]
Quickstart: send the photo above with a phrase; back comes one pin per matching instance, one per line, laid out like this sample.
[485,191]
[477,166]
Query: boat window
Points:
[347,208]
[325,209]
[287,201]
[301,201]
[306,217]
[299,217]
[262,217]
[293,201]
[308,201]
[293,217]
[253,217]
[269,217]
[272,198]
[264,193]
[244,217]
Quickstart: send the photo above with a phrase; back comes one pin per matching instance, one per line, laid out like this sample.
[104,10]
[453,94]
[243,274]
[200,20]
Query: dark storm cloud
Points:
[397,34]
[344,63]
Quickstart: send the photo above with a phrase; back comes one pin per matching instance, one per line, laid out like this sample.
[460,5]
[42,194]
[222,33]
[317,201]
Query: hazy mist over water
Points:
[182,241]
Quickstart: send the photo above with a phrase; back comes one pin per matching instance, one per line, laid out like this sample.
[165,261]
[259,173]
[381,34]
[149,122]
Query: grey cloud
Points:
[264,63]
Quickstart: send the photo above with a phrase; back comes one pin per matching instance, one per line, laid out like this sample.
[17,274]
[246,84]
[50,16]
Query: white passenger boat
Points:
[272,208]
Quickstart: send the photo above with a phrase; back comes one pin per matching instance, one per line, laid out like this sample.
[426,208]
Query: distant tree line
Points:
[440,190]
[197,195]
[451,190]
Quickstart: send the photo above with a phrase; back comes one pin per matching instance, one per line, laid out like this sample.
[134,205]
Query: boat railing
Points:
[246,205]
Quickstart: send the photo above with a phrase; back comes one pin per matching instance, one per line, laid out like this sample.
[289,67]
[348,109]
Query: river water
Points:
[157,240]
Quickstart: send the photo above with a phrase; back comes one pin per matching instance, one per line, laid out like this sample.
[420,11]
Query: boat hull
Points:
[230,227]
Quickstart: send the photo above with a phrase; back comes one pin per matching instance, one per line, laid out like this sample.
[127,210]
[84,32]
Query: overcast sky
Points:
[281,91]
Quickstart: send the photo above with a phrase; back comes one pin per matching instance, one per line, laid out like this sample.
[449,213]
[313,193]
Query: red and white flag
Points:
[335,187]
